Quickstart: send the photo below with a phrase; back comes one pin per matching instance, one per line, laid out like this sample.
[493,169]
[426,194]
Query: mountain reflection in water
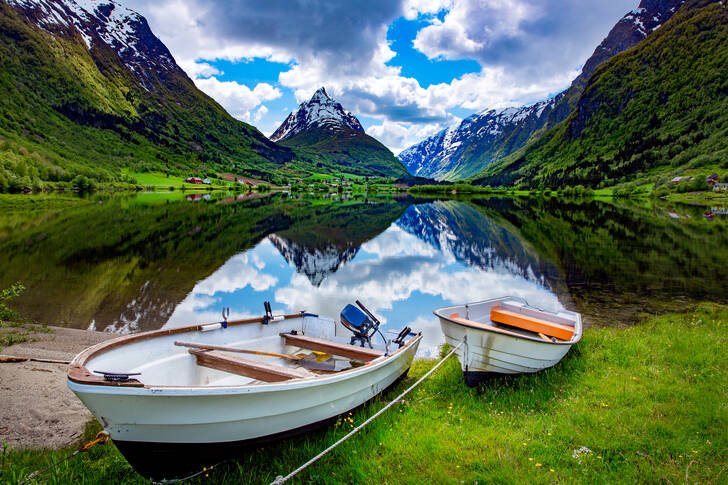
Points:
[433,255]
[124,266]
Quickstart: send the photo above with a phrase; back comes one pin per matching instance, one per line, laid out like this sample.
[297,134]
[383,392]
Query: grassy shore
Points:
[641,404]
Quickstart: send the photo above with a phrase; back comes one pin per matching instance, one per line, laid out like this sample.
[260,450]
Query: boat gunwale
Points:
[79,374]
[578,329]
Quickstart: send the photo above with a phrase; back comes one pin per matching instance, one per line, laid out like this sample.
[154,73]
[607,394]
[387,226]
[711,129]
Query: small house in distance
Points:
[206,181]
[720,187]
[677,180]
[193,180]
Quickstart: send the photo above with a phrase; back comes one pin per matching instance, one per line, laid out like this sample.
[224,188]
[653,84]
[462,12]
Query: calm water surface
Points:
[128,264]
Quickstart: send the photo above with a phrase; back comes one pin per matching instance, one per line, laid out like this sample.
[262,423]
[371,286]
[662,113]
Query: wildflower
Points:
[552,470]
[530,459]
[525,444]
[538,464]
[549,434]
[578,454]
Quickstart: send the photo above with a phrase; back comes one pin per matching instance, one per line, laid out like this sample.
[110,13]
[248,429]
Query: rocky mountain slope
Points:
[653,111]
[476,241]
[89,89]
[320,112]
[326,137]
[490,135]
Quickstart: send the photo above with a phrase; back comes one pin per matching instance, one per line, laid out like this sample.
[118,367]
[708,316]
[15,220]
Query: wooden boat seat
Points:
[243,367]
[352,352]
[531,323]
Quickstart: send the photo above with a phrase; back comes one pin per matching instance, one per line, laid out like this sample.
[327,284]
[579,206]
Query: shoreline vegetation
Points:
[629,404]
[686,188]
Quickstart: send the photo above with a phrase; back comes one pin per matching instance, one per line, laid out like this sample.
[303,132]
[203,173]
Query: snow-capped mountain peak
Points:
[439,155]
[105,22]
[320,111]
[490,135]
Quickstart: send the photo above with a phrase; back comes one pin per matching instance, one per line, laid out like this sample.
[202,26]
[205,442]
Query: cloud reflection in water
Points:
[401,275]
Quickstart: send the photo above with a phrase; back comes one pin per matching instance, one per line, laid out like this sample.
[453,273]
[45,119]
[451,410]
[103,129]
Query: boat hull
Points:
[490,352]
[151,423]
[167,461]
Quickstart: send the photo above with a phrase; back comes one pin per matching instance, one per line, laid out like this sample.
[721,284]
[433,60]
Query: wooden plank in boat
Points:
[353,352]
[532,324]
[248,368]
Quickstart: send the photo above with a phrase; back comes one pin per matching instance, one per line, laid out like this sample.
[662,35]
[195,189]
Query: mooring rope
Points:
[101,437]
[281,479]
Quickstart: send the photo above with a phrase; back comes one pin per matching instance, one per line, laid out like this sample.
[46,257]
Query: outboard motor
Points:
[360,322]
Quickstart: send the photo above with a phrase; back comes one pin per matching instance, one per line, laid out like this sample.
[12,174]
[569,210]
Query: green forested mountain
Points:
[325,137]
[356,153]
[657,110]
[81,97]
[490,135]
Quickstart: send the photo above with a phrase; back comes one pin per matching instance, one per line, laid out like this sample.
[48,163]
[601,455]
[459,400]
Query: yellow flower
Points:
[552,470]
[549,434]
[530,459]
[538,464]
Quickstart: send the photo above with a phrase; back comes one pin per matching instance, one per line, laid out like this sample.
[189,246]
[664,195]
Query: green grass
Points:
[25,202]
[649,401]
[156,178]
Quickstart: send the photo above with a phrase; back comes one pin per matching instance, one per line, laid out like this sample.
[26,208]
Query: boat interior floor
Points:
[306,357]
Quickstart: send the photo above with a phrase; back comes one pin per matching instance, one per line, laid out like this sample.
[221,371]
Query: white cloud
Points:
[260,113]
[527,50]
[414,8]
[235,274]
[238,99]
[199,69]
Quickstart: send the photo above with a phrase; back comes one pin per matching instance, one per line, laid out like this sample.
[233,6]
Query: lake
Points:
[146,261]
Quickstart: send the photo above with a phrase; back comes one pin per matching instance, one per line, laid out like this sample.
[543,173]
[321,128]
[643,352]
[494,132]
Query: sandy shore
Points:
[38,410]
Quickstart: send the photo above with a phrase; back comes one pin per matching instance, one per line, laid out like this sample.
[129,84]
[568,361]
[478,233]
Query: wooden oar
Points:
[234,349]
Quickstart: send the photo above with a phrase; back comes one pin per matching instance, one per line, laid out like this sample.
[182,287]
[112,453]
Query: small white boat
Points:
[176,399]
[507,336]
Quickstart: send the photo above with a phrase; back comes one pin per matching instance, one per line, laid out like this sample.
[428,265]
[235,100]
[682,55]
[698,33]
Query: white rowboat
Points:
[498,348]
[192,405]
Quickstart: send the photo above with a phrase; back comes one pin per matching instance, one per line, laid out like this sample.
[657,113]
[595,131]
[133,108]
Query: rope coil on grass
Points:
[280,480]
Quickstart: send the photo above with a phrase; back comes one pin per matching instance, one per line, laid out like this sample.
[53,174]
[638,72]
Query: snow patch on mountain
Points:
[437,155]
[315,263]
[106,21]
[320,111]
[489,135]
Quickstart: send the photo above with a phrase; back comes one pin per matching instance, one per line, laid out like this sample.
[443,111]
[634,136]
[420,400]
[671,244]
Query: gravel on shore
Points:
[38,410]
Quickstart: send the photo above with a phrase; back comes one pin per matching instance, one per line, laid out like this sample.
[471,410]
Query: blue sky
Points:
[405,68]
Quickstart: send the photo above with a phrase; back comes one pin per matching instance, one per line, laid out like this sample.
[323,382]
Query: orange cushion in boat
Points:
[532,324]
